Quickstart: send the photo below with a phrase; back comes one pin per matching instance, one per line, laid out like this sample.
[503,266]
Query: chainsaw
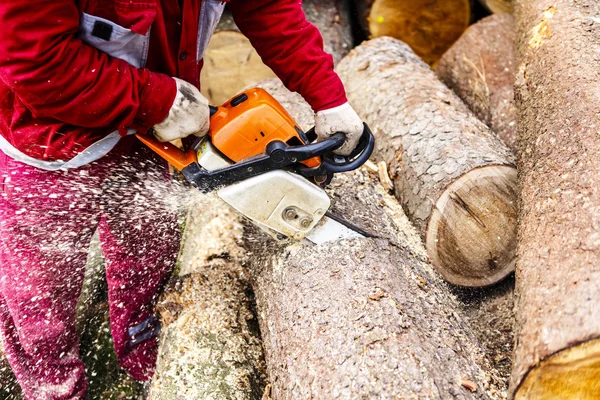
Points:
[269,170]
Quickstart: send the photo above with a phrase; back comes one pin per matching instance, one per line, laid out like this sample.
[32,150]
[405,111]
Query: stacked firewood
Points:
[487,162]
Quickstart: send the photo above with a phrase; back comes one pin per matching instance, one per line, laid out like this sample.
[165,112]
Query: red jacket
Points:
[61,91]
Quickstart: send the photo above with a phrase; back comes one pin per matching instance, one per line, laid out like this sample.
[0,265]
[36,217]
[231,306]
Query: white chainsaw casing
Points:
[279,201]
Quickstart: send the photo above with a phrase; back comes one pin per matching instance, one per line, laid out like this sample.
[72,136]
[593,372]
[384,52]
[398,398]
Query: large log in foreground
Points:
[558,259]
[455,178]
[210,345]
[363,318]
[480,67]
[428,27]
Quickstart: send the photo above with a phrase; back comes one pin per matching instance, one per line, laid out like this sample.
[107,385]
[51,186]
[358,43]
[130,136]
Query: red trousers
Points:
[46,222]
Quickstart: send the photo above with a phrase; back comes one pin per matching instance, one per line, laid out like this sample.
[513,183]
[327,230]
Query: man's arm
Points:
[58,76]
[292,47]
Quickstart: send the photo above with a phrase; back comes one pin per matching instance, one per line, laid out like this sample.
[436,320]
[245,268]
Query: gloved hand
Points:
[189,115]
[340,119]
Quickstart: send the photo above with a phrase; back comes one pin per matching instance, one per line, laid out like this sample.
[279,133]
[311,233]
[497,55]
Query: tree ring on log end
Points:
[572,374]
[471,235]
[429,28]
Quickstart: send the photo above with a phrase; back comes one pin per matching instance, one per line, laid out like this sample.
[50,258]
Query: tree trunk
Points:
[210,344]
[558,272]
[363,318]
[231,63]
[454,177]
[498,6]
[480,67]
[428,27]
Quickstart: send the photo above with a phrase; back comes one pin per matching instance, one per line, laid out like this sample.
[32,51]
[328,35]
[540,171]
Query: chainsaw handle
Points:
[334,163]
[171,153]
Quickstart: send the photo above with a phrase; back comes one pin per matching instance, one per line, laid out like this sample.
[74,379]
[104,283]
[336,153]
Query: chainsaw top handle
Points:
[333,163]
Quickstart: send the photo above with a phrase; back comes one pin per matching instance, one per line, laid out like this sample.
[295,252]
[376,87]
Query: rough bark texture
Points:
[210,344]
[498,6]
[454,177]
[231,63]
[558,260]
[480,68]
[428,27]
[364,318]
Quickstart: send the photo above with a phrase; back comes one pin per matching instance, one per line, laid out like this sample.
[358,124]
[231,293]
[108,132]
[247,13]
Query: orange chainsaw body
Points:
[246,124]
[241,128]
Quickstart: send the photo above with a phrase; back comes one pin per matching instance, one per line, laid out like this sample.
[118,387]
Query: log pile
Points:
[428,308]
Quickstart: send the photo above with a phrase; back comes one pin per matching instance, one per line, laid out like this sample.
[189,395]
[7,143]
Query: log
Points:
[455,178]
[362,318]
[480,68]
[210,344]
[498,6]
[231,63]
[558,259]
[428,27]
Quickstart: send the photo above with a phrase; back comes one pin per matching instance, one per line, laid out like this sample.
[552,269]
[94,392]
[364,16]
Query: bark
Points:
[363,318]
[429,28]
[210,346]
[498,6]
[231,63]
[480,68]
[454,177]
[558,260]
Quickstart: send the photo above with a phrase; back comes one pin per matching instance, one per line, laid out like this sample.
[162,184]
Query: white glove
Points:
[189,115]
[340,119]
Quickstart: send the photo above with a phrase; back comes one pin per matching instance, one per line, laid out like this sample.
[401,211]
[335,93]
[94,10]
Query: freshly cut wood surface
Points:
[558,260]
[363,318]
[455,178]
[428,27]
[210,345]
[480,68]
[498,6]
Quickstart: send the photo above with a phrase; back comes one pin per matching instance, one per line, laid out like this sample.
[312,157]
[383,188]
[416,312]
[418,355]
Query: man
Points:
[77,78]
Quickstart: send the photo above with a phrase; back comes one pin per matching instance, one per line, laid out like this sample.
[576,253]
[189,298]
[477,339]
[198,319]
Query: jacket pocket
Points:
[114,40]
[210,14]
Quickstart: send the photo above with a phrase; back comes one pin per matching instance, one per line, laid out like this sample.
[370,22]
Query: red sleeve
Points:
[292,47]
[58,76]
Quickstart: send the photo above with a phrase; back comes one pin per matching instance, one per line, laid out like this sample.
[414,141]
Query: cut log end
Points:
[467,236]
[230,65]
[571,374]
[429,28]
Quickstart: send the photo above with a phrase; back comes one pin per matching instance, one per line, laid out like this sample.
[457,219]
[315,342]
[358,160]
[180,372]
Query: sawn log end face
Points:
[471,236]
[572,374]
